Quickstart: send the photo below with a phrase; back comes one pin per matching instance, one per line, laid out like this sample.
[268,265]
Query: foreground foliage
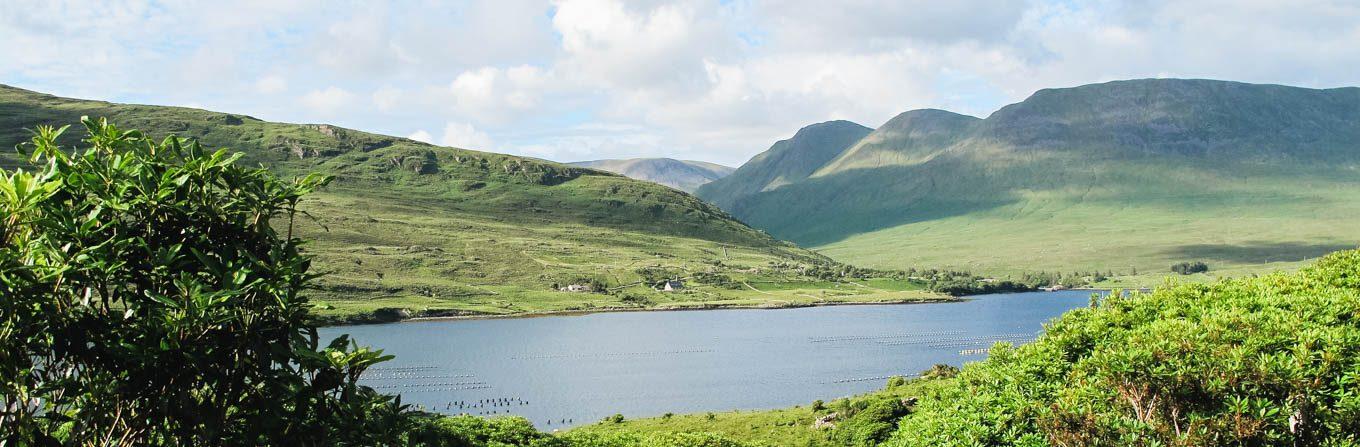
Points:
[1273,360]
[149,300]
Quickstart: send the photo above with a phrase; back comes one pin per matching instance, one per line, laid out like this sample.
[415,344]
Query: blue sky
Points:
[708,80]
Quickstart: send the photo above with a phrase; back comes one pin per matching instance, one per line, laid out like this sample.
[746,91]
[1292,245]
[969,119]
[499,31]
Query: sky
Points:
[718,81]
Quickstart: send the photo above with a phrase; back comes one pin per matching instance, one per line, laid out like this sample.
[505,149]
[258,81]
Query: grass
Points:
[1137,240]
[379,253]
[410,229]
[776,427]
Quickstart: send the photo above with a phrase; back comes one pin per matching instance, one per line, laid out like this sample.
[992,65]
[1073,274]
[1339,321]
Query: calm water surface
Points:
[584,368]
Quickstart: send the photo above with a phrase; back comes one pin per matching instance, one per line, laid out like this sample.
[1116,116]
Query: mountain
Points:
[1124,176]
[684,175]
[410,229]
[786,162]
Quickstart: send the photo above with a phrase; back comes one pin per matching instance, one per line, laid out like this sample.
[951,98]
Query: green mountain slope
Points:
[414,229]
[1125,176]
[684,175]
[786,162]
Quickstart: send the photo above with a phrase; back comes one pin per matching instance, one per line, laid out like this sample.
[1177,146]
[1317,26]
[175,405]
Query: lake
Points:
[580,369]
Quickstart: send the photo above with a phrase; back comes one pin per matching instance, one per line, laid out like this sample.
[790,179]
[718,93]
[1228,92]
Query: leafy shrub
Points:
[1188,268]
[596,284]
[717,280]
[940,371]
[471,431]
[649,440]
[871,425]
[149,298]
[1272,360]
[635,299]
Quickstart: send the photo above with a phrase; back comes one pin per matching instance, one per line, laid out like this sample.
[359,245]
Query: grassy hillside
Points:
[684,175]
[1270,360]
[411,229]
[1127,176]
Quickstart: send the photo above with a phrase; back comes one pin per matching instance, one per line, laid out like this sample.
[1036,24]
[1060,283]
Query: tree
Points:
[152,296]
[1187,268]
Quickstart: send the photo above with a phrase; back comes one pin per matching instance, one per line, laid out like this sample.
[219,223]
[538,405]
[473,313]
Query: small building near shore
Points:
[576,288]
[673,285]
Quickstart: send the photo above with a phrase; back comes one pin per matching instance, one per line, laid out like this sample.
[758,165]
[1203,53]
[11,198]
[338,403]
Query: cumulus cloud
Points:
[329,101]
[491,93]
[701,79]
[271,84]
[463,135]
[421,136]
[387,98]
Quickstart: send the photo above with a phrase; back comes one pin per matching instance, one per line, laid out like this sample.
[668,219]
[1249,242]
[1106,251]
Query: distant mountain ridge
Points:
[684,175]
[786,162]
[1222,166]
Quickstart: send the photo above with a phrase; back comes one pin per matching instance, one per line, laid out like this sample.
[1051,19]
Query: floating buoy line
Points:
[415,377]
[947,342]
[881,337]
[610,354]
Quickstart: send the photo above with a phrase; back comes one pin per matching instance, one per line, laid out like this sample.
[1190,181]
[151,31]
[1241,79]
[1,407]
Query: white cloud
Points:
[387,98]
[330,101]
[421,136]
[494,94]
[640,48]
[271,84]
[463,135]
[683,78]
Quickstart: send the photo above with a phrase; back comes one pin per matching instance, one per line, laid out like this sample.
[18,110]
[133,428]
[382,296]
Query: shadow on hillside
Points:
[829,209]
[824,210]
[1257,252]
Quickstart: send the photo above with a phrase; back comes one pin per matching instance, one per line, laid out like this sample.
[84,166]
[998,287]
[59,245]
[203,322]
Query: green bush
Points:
[1189,268]
[1272,360]
[152,296]
[471,431]
[870,425]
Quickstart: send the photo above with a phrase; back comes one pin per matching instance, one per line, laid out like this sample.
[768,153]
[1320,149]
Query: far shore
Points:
[579,312]
[762,306]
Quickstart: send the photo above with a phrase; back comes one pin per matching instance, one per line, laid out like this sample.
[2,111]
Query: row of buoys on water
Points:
[561,422]
[879,337]
[485,413]
[482,403]
[421,385]
[609,354]
[412,376]
[452,388]
[941,341]
[403,368]
[977,351]
[1018,341]
[861,379]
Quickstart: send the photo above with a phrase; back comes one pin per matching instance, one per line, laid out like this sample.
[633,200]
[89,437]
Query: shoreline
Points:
[455,315]
[582,312]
